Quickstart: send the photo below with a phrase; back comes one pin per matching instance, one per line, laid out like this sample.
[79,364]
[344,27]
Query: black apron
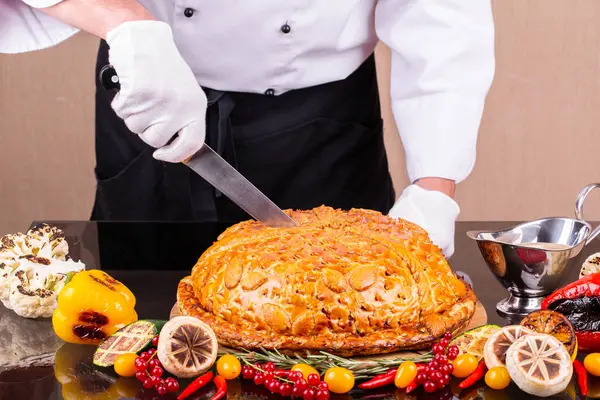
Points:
[321,145]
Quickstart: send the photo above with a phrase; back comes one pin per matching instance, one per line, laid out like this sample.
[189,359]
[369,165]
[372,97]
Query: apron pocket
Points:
[134,193]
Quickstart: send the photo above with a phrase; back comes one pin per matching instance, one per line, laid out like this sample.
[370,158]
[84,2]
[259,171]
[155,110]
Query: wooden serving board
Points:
[479,318]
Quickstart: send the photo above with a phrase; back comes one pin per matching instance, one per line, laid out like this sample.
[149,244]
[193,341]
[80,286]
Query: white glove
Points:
[159,95]
[431,210]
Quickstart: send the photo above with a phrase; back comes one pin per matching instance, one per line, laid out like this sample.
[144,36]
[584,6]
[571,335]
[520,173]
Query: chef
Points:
[284,91]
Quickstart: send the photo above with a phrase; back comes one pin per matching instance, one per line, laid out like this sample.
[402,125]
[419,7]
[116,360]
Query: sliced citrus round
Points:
[590,266]
[187,347]
[539,365]
[494,351]
[552,323]
[473,341]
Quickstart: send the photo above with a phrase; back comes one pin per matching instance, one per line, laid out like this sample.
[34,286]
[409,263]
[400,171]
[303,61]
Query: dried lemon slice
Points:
[187,347]
[591,265]
[494,351]
[539,365]
[554,324]
[473,341]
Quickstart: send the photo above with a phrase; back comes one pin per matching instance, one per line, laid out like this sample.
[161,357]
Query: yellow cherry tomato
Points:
[305,369]
[229,367]
[464,365]
[340,380]
[125,364]
[406,373]
[591,362]
[497,378]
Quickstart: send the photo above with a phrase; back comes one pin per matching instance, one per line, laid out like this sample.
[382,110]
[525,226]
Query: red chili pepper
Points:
[582,378]
[589,285]
[387,378]
[475,376]
[378,381]
[412,386]
[221,387]
[195,385]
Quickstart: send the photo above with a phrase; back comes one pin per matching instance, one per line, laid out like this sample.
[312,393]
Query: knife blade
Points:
[220,174]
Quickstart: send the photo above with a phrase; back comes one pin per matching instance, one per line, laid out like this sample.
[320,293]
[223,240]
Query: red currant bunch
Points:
[150,372]
[436,374]
[287,383]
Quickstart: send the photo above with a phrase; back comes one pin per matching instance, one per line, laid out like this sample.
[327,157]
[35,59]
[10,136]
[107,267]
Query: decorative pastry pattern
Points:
[354,282]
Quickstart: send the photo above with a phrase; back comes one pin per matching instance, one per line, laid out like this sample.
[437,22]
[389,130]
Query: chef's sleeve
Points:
[442,67]
[23,27]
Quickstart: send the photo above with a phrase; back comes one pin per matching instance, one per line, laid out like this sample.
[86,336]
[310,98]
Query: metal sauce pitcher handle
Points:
[579,208]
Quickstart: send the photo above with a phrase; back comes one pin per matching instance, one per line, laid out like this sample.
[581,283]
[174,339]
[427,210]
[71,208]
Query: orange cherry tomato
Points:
[591,362]
[464,365]
[497,378]
[229,367]
[340,380]
[406,373]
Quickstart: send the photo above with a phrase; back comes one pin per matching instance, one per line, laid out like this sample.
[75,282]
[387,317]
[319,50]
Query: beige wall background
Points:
[538,146]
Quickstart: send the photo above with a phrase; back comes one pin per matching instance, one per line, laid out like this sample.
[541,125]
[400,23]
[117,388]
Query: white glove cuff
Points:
[431,210]
[435,199]
[415,198]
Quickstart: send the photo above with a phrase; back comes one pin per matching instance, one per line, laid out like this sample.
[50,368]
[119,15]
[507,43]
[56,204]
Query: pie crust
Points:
[346,282]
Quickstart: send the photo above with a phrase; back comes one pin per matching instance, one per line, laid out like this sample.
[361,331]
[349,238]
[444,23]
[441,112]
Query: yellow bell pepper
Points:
[91,307]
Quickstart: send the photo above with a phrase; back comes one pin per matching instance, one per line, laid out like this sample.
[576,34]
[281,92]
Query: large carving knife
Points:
[219,173]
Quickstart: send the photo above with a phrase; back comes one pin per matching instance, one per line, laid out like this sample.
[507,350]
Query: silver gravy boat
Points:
[533,259]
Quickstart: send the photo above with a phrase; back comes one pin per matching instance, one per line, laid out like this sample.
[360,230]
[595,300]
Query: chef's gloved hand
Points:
[159,95]
[431,210]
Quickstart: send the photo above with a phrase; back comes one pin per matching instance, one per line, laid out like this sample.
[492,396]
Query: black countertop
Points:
[151,258]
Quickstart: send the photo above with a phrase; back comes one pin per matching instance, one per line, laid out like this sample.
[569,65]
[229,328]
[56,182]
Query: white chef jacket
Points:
[442,57]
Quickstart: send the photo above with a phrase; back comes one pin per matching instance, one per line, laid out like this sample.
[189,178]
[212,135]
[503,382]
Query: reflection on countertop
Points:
[151,259]
[27,350]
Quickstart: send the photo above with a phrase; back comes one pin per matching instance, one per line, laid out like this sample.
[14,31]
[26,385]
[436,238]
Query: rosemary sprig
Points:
[322,361]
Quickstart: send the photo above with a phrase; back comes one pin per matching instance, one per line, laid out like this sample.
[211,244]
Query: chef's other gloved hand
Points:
[159,95]
[431,210]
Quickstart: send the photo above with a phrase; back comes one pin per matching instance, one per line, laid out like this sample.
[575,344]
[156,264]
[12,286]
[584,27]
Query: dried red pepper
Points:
[580,303]
[221,387]
[475,376]
[196,384]
[581,374]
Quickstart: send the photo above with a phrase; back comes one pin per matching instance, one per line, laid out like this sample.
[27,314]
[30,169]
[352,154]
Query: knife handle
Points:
[109,79]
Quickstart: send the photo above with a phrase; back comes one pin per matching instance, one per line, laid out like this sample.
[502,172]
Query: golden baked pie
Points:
[348,282]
